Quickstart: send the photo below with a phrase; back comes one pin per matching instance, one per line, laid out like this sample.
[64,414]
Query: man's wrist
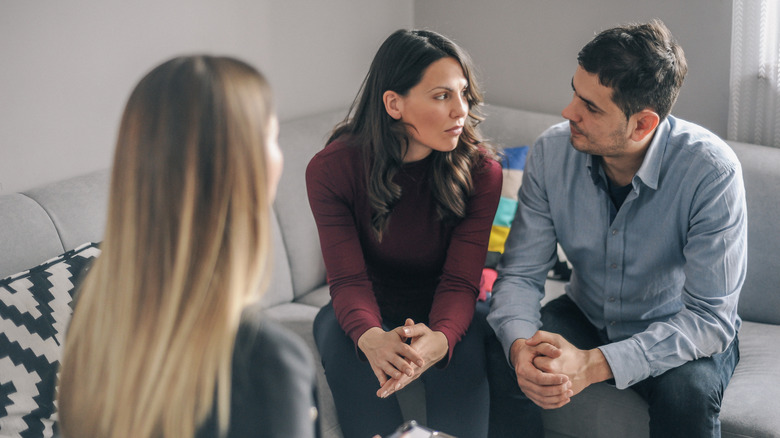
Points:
[598,367]
[514,350]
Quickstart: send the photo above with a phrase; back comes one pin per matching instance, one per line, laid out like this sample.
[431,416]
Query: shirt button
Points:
[614,232]
[613,266]
[611,299]
[613,323]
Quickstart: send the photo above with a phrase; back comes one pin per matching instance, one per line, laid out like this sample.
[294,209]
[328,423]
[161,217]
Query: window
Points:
[754,98]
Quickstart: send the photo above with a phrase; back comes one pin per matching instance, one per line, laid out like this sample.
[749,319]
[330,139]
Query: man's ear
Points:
[393,104]
[645,123]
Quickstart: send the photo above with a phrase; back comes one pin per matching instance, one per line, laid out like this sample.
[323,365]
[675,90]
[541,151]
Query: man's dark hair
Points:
[642,63]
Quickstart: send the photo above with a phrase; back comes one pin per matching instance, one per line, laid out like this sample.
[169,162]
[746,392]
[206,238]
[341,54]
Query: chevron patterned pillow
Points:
[34,311]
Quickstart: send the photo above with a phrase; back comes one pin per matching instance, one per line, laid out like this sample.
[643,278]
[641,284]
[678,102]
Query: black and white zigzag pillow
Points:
[34,311]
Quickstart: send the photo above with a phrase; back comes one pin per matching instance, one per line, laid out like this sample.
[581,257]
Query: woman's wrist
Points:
[368,336]
[444,342]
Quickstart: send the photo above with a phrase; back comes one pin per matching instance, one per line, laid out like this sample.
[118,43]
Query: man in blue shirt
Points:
[650,211]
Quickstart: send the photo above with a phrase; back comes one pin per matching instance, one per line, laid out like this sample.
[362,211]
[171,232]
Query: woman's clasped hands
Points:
[401,355]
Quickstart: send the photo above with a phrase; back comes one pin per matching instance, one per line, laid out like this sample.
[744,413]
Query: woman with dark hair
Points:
[404,196]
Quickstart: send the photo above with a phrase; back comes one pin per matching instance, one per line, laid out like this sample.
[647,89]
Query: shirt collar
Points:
[650,169]
[594,164]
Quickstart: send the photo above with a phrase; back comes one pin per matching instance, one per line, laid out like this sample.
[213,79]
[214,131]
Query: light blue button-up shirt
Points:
[662,278]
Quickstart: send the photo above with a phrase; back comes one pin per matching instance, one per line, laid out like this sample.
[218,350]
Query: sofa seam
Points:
[288,260]
[48,216]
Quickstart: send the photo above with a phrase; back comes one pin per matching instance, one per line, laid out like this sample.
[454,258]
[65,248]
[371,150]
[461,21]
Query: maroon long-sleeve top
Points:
[423,268]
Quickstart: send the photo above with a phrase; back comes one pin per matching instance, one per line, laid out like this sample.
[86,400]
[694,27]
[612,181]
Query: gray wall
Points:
[526,50]
[67,67]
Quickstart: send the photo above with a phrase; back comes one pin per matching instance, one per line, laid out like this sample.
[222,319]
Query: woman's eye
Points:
[440,96]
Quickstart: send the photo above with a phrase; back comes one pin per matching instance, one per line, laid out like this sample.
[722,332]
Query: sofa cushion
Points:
[34,311]
[317,298]
[510,127]
[759,300]
[752,400]
[300,139]
[280,287]
[600,410]
[27,233]
[76,206]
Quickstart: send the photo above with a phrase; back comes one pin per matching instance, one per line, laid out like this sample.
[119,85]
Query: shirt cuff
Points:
[511,331]
[627,361]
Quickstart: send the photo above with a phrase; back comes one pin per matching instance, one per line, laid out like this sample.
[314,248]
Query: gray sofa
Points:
[41,223]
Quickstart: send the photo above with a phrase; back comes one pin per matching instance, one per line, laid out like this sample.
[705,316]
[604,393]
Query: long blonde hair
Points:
[148,352]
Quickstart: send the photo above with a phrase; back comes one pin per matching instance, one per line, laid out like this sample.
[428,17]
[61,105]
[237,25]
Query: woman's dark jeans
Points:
[456,396]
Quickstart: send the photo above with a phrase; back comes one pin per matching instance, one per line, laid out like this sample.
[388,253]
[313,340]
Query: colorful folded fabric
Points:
[512,163]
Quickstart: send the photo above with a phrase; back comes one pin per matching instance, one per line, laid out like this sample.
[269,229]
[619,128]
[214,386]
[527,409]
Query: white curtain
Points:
[754,98]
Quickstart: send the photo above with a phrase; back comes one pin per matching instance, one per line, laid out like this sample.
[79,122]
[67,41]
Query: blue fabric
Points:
[514,158]
[663,279]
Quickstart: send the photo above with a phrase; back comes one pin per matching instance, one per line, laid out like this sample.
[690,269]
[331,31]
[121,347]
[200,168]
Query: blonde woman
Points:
[164,340]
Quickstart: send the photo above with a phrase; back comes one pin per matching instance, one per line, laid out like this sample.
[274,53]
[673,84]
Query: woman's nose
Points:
[461,107]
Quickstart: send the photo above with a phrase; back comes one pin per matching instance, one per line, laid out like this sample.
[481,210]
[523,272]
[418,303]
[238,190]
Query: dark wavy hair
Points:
[642,63]
[399,65]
